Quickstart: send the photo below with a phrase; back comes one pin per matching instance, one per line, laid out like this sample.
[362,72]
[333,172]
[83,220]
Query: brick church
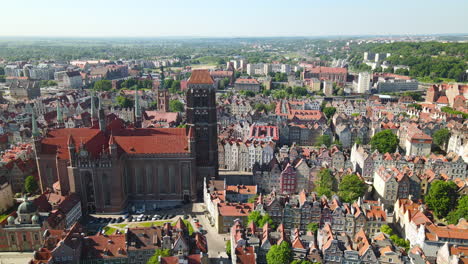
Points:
[111,166]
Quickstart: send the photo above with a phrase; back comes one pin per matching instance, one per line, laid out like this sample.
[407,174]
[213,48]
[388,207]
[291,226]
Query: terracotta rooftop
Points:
[200,77]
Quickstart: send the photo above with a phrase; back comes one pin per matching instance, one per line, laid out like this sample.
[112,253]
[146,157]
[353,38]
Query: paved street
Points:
[216,242]
[15,257]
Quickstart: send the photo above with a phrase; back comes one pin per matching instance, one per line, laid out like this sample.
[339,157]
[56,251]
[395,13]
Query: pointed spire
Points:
[93,107]
[161,79]
[191,133]
[59,113]
[71,141]
[35,130]
[111,140]
[99,103]
[137,103]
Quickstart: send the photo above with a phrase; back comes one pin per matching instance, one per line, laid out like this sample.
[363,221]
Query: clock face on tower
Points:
[83,153]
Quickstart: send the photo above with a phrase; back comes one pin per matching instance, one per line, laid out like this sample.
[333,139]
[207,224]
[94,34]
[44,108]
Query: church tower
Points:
[201,117]
[137,109]
[60,123]
[163,94]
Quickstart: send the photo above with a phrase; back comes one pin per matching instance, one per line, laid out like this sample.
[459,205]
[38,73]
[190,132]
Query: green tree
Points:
[351,188]
[400,242]
[228,248]
[442,197]
[384,141]
[415,106]
[2,71]
[123,102]
[461,211]
[52,83]
[324,140]
[252,199]
[30,184]
[301,261]
[386,230]
[402,72]
[176,106]
[260,219]
[325,183]
[313,227]
[329,111]
[280,77]
[279,254]
[153,105]
[103,85]
[452,111]
[441,137]
[158,253]
[175,87]
[247,93]
[299,91]
[279,94]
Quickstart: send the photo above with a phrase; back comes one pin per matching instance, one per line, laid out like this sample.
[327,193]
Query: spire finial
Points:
[35,130]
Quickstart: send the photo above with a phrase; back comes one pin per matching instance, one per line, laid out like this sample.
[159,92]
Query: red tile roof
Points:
[329,70]
[246,81]
[104,247]
[200,77]
[191,259]
[132,141]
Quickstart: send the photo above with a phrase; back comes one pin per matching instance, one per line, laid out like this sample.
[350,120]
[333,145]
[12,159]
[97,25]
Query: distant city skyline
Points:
[209,18]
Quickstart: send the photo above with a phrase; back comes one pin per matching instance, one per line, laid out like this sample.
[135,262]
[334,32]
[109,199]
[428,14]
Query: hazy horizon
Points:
[240,19]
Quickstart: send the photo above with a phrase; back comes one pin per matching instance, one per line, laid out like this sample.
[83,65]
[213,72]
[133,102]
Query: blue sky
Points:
[222,18]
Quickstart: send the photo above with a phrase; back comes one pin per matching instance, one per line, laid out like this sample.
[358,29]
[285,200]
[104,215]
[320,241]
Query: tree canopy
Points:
[103,85]
[329,111]
[386,229]
[312,227]
[325,183]
[442,197]
[124,102]
[452,111]
[228,247]
[260,219]
[441,137]
[324,140]
[351,188]
[279,254]
[176,106]
[415,106]
[30,184]
[159,252]
[301,261]
[461,211]
[264,107]
[384,141]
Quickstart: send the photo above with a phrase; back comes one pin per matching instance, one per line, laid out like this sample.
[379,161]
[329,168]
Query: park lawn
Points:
[7,213]
[189,226]
[109,230]
[154,223]
[203,66]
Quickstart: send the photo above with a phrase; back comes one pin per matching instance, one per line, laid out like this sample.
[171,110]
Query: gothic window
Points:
[106,186]
[172,179]
[162,185]
[49,174]
[149,179]
[186,175]
[89,186]
[139,180]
